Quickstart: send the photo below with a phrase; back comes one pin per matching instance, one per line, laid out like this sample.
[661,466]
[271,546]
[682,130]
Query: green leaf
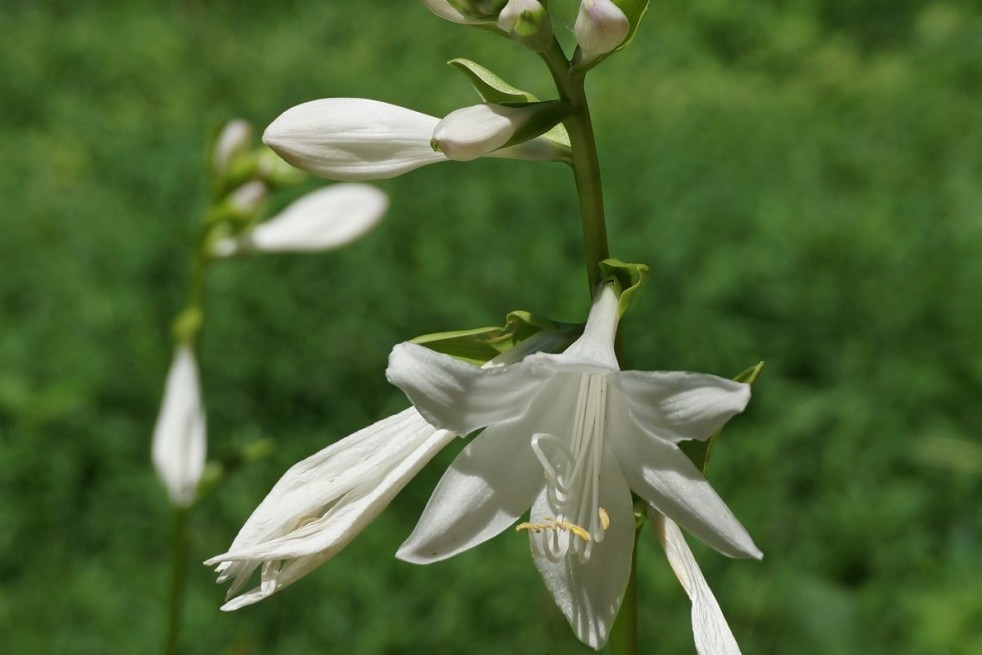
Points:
[700,451]
[545,117]
[489,86]
[630,277]
[479,345]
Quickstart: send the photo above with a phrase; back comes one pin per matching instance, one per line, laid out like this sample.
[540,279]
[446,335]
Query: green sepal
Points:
[700,451]
[634,10]
[546,118]
[629,277]
[479,345]
[489,86]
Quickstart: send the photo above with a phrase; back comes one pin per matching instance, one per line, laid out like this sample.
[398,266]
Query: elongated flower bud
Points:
[600,27]
[179,442]
[246,199]
[233,140]
[353,139]
[325,219]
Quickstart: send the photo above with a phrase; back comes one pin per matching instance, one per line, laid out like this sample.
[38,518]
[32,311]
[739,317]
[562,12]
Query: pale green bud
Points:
[247,199]
[527,22]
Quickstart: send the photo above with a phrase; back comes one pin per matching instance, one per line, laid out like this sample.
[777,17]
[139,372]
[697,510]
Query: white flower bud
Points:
[479,130]
[324,219]
[600,27]
[233,140]
[514,10]
[446,11]
[353,139]
[179,442]
[246,199]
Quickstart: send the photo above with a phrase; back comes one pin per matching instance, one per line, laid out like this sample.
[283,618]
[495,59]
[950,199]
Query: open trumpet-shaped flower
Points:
[323,502]
[570,436]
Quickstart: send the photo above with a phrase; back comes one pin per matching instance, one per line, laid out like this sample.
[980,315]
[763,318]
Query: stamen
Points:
[551,523]
[604,519]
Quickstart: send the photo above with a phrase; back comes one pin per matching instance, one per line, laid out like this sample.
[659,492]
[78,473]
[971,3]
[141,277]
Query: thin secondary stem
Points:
[179,557]
[624,634]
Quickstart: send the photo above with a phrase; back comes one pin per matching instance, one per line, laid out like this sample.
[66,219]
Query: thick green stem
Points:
[586,166]
[624,635]
[177,582]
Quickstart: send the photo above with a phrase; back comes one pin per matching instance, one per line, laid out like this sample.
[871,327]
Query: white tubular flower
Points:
[709,628]
[324,219]
[325,501]
[570,436]
[445,10]
[356,139]
[179,442]
[600,27]
[479,130]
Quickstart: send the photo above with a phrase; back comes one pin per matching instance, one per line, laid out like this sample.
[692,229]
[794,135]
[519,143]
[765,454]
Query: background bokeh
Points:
[804,179]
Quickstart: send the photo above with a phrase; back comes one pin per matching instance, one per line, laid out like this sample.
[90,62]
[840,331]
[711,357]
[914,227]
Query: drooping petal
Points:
[324,219]
[678,406]
[461,397]
[661,474]
[589,594]
[487,488]
[179,440]
[709,628]
[324,501]
[353,139]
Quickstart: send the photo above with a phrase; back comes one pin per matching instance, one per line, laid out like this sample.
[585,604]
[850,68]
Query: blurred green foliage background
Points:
[804,179]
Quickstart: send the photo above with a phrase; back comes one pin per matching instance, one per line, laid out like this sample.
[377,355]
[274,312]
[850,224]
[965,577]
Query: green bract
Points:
[489,86]
[479,345]
[634,10]
[700,451]
[630,277]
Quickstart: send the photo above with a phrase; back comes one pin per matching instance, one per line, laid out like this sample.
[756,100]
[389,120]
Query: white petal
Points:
[472,132]
[461,397]
[324,501]
[678,406]
[486,489]
[709,628]
[600,27]
[328,218]
[590,594]
[661,474]
[353,139]
[179,442]
[595,347]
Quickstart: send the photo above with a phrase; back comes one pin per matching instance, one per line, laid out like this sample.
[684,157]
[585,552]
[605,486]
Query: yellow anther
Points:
[552,524]
[604,519]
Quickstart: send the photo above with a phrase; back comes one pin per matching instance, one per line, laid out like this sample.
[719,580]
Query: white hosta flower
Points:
[325,501]
[324,219]
[480,130]
[179,442]
[709,628]
[570,436]
[600,27]
[356,139]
